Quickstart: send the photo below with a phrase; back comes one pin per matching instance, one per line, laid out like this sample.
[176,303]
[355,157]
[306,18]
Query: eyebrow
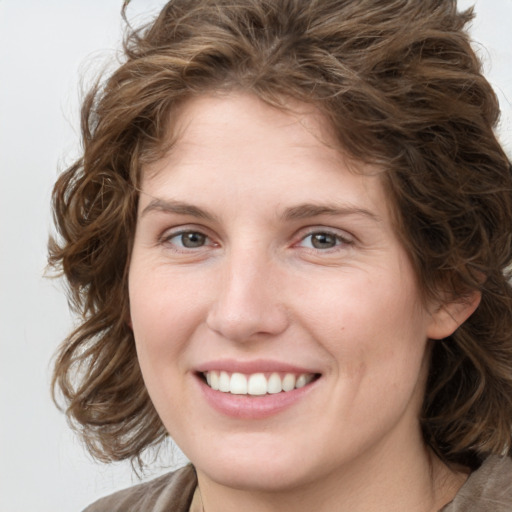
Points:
[307,210]
[299,212]
[178,207]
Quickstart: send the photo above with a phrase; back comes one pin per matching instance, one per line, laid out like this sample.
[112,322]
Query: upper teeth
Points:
[256,383]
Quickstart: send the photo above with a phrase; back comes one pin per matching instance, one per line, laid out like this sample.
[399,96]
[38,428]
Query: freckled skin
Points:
[257,279]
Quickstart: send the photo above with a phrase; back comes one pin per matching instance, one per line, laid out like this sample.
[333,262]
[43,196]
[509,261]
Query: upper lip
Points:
[253,366]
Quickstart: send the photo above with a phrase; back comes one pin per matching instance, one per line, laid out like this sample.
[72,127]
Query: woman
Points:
[288,238]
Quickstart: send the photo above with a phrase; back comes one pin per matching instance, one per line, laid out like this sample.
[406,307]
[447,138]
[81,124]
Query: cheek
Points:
[161,322]
[163,305]
[369,324]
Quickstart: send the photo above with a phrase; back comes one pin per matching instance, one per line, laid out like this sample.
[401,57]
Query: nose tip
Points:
[244,326]
[247,306]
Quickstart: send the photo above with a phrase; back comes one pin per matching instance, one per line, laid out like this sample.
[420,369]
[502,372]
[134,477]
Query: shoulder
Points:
[488,489]
[172,491]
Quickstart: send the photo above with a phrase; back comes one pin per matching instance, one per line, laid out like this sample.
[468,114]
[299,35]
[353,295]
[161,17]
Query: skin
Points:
[257,286]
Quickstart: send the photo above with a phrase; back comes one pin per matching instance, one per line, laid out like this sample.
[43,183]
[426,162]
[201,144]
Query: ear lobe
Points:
[448,317]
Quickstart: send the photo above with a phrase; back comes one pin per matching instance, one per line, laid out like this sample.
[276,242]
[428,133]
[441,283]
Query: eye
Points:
[323,240]
[188,240]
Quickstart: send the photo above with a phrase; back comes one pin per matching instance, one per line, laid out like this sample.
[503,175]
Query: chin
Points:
[257,468]
[257,477]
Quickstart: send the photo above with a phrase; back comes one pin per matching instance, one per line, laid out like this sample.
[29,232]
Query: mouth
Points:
[256,384]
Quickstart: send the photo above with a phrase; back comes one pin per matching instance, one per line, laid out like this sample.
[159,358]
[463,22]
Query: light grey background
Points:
[46,48]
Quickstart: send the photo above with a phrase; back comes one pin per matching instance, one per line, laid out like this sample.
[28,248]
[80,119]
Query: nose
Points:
[248,306]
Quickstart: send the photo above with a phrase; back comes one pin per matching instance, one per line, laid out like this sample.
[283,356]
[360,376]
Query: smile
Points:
[256,384]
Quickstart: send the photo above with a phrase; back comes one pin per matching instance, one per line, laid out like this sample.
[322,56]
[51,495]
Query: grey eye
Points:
[192,239]
[323,240]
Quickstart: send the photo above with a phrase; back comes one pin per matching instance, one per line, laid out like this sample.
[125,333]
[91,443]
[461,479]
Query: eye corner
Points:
[186,239]
[324,239]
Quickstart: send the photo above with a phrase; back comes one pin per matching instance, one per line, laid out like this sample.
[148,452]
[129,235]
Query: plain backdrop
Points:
[47,50]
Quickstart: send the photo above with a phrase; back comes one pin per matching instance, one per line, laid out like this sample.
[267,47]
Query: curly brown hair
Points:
[402,88]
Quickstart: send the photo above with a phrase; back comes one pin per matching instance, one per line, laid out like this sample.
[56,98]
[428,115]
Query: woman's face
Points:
[261,261]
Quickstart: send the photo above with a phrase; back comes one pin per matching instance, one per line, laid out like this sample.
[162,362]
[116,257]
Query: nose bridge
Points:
[248,302]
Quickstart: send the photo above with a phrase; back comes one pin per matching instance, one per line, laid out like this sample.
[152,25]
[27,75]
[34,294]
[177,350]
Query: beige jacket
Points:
[488,489]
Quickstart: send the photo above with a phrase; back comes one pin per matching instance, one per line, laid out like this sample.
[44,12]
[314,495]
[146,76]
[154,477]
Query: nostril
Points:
[244,324]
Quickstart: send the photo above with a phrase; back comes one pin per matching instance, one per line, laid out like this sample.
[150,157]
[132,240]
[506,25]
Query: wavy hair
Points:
[402,89]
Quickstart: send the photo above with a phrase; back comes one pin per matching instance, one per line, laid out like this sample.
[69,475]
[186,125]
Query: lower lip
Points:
[253,407]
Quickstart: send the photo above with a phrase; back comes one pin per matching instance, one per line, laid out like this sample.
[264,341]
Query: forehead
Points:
[236,145]
[228,121]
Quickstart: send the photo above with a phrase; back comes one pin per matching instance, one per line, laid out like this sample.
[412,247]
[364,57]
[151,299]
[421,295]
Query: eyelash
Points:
[167,239]
[339,240]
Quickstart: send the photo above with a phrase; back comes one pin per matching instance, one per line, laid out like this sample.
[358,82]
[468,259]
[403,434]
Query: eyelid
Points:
[345,238]
[171,233]
[337,232]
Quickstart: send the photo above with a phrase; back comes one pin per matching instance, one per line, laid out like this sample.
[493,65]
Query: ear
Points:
[447,317]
